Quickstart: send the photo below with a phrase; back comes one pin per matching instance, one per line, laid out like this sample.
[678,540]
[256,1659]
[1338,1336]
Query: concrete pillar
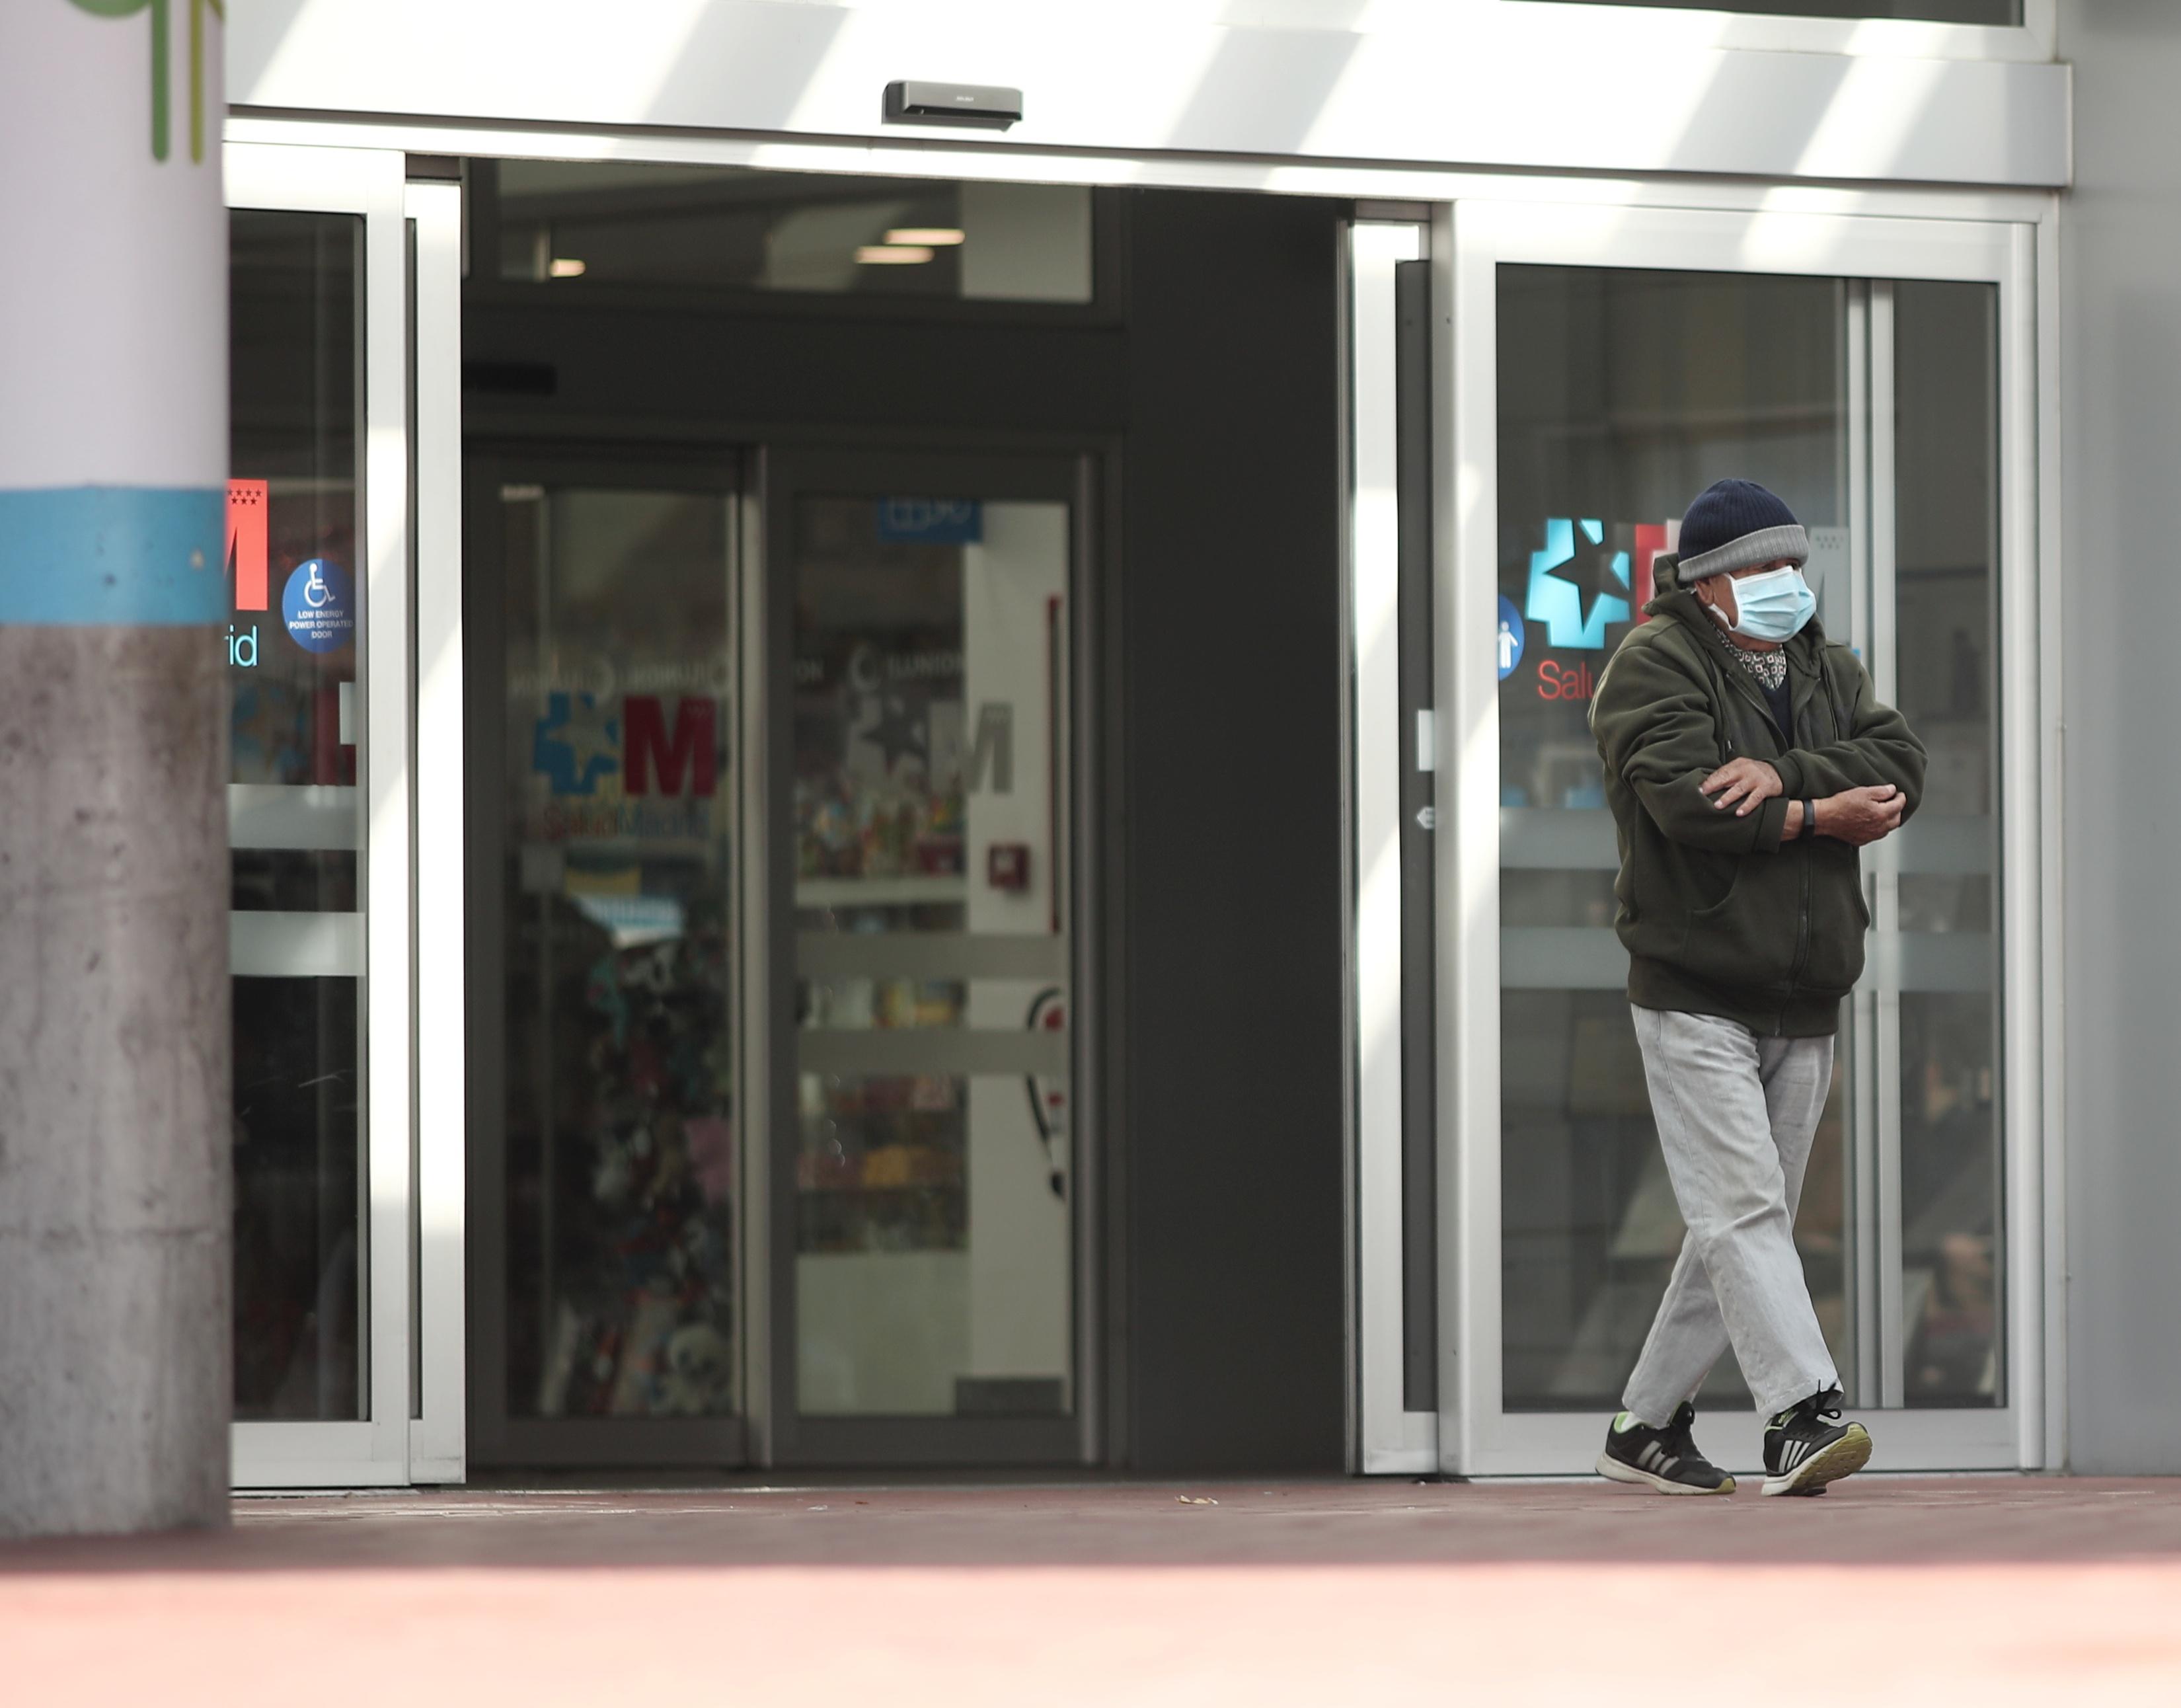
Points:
[115,1383]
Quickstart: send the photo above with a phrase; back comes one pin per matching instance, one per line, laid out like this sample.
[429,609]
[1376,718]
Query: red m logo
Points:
[648,749]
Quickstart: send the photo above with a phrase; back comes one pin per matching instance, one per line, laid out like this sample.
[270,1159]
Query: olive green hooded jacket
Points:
[1718,914]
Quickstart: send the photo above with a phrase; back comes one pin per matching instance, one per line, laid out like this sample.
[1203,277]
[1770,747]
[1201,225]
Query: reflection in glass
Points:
[1622,395]
[1590,1229]
[295,819]
[934,1257]
[621,1109]
[1946,378]
[298,1104]
[715,228]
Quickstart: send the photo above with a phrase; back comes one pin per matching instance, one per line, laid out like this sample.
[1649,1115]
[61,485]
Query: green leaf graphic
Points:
[160,69]
[196,70]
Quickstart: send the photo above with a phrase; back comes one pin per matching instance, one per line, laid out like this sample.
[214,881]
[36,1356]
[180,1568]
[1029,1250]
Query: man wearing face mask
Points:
[1746,760]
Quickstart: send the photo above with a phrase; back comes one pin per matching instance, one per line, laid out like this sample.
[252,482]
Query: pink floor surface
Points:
[1984,1591]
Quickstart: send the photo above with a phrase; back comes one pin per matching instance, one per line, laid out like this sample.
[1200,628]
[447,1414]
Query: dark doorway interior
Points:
[1196,374]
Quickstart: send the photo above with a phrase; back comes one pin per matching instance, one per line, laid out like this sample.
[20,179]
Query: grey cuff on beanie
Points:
[1764,546]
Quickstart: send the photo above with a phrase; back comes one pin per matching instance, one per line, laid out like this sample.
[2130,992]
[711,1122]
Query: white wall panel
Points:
[2121,603]
[1463,81]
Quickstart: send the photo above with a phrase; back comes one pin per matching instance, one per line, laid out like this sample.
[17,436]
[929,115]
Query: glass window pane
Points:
[1622,394]
[584,223]
[1945,380]
[620,1109]
[294,814]
[934,1255]
[1999,12]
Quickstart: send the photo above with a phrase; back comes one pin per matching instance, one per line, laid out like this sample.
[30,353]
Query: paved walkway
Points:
[1989,1591]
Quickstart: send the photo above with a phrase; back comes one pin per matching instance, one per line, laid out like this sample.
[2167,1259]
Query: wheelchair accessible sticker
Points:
[319,606]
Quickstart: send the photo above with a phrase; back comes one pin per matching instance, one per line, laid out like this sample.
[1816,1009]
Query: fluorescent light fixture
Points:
[561,269]
[892,255]
[927,236]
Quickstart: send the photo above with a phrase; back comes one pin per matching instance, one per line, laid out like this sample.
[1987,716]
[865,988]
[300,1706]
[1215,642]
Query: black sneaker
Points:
[1807,1446]
[1665,1459]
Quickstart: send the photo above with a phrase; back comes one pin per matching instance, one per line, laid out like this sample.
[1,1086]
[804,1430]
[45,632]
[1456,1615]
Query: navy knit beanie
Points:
[1735,524]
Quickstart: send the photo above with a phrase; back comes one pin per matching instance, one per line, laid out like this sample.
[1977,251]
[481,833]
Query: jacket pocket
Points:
[1747,939]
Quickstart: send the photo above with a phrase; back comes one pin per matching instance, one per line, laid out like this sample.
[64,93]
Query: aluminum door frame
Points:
[1477,1435]
[1387,1433]
[376,1451]
[439,1430]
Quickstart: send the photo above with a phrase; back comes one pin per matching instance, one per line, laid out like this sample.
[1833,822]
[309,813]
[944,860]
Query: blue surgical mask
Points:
[1771,607]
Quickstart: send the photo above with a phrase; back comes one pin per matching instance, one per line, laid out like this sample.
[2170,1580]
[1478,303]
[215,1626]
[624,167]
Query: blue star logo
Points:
[575,743]
[1557,602]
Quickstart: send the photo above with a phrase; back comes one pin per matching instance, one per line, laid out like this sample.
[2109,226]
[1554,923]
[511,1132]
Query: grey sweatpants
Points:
[1736,1115]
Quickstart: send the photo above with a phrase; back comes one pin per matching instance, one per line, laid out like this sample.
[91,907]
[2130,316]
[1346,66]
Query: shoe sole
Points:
[1844,1458]
[1609,1466]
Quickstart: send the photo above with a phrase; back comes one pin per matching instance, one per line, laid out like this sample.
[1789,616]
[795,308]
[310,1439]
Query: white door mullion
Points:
[1389,1437]
[437,1436]
[1863,1054]
[388,986]
[2027,1001]
[1466,244]
[1885,857]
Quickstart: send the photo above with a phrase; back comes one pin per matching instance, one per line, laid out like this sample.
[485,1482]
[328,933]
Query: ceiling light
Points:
[892,255]
[930,236]
[565,269]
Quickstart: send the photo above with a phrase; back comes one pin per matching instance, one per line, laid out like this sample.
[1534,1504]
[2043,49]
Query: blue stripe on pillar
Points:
[114,555]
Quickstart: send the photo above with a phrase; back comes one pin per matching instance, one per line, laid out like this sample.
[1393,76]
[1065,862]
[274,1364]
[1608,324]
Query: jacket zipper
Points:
[1801,946]
[1803,917]
[1802,939]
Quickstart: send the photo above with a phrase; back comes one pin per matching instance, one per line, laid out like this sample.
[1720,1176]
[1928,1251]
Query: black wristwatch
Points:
[1809,820]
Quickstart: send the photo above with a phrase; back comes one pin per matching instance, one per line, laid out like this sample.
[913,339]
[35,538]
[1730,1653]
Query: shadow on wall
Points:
[1264,87]
[251,52]
[1263,79]
[753,61]
[1729,108]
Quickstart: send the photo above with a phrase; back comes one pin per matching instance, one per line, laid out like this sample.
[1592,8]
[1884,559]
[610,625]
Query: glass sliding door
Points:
[1621,394]
[1607,370]
[302,1343]
[927,1191]
[321,567]
[607,1185]
[1939,895]
[775,1153]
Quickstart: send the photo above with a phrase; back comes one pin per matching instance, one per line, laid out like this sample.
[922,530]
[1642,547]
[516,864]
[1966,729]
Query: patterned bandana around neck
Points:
[1769,668]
